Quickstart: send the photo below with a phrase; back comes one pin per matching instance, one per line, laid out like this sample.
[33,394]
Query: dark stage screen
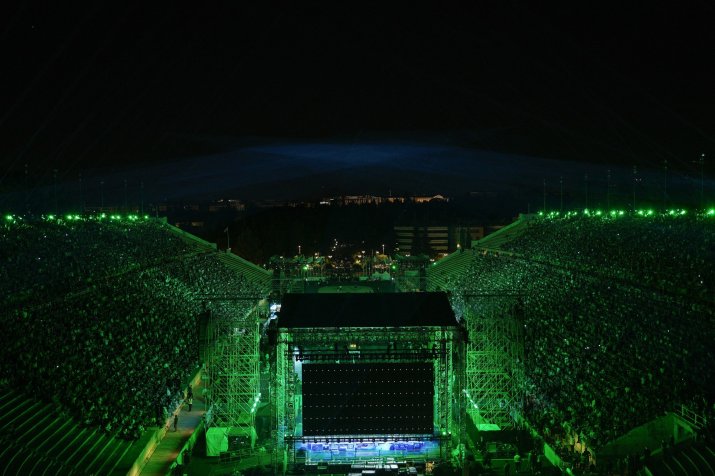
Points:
[364,399]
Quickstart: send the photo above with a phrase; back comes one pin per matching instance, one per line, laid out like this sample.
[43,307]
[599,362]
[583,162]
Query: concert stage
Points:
[365,377]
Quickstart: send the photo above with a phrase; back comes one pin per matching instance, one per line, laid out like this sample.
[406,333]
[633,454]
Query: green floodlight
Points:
[103,215]
[69,217]
[599,213]
[711,212]
[683,212]
[146,217]
[8,217]
[621,213]
[50,217]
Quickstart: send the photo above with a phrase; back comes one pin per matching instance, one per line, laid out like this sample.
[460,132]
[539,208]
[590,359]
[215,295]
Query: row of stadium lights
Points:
[554,214]
[619,213]
[73,217]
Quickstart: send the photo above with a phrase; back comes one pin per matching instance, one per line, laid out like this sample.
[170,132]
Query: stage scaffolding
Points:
[442,346]
[495,358]
[232,365]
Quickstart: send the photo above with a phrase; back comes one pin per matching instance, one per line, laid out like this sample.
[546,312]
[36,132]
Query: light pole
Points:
[665,184]
[702,197]
[54,186]
[81,194]
[585,178]
[635,175]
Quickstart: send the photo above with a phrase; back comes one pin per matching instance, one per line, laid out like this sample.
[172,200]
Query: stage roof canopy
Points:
[366,310]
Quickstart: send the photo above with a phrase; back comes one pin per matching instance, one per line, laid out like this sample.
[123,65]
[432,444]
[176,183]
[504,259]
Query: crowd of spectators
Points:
[617,316]
[671,253]
[102,317]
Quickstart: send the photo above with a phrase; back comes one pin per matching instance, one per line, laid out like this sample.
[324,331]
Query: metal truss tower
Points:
[233,363]
[495,358]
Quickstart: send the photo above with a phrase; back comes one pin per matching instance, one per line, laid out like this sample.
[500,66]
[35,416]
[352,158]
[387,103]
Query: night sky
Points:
[115,84]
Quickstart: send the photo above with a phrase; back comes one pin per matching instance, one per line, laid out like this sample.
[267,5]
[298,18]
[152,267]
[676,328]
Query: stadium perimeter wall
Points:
[649,435]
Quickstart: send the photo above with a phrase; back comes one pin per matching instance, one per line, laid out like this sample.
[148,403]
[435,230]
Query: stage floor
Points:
[364,451]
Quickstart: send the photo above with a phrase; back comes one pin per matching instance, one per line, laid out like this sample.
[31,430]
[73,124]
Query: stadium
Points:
[577,343]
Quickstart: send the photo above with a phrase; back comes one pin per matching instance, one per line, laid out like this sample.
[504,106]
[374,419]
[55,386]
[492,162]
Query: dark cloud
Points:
[115,83]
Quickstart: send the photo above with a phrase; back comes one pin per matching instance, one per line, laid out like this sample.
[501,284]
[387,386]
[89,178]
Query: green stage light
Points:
[711,212]
[8,217]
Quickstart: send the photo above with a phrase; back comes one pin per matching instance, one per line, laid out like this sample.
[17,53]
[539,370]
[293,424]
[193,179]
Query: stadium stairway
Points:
[451,265]
[253,273]
[693,460]
[37,440]
[498,238]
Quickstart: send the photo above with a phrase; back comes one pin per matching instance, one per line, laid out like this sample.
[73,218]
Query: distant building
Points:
[428,199]
[434,240]
[227,204]
[361,200]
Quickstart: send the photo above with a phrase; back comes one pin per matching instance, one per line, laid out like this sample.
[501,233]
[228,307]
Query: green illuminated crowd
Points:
[618,315]
[100,315]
